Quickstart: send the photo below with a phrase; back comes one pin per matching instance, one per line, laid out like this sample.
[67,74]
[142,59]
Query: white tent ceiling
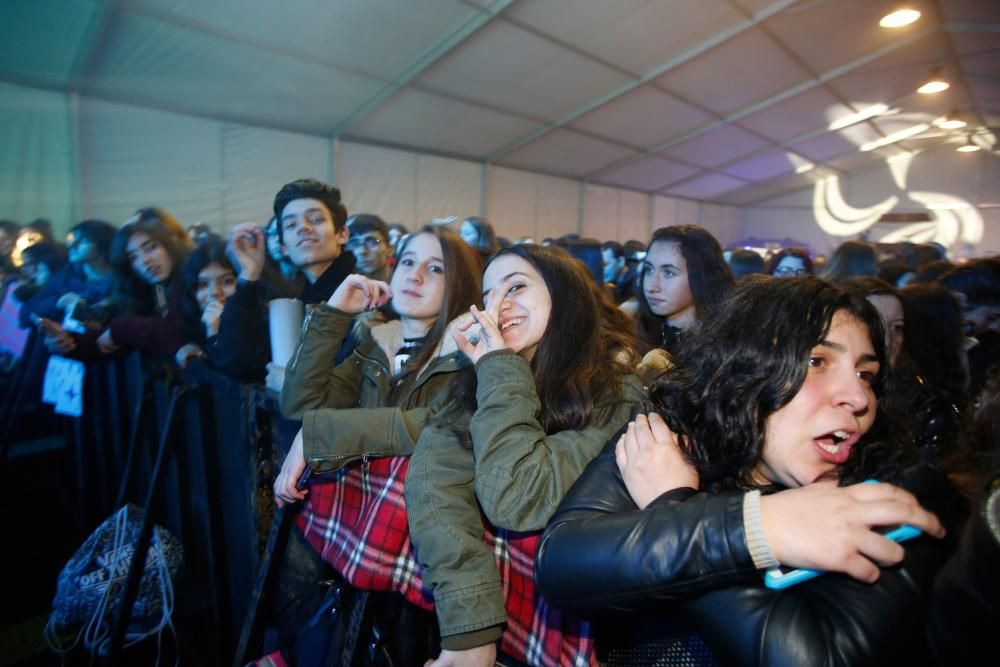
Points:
[720,100]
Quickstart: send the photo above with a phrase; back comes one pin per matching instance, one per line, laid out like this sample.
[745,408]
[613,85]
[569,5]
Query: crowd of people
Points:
[572,450]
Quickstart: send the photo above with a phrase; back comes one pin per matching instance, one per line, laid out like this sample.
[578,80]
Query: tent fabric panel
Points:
[743,70]
[257,162]
[175,67]
[567,151]
[37,160]
[511,202]
[423,120]
[447,188]
[651,173]
[706,187]
[330,32]
[636,36]
[644,117]
[797,116]
[378,180]
[133,157]
[508,68]
[711,148]
[40,39]
[557,209]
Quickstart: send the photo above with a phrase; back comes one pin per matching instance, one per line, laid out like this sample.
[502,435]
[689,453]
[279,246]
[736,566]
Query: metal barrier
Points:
[195,450]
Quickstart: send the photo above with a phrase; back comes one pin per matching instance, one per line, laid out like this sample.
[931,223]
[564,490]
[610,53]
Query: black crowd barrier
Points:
[197,451]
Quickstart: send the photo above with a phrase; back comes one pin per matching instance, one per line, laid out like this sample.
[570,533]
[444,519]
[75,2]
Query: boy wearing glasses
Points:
[369,241]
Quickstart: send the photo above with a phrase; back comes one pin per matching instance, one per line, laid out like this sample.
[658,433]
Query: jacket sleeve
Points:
[521,472]
[834,619]
[159,335]
[447,531]
[601,552]
[332,438]
[311,379]
[242,347]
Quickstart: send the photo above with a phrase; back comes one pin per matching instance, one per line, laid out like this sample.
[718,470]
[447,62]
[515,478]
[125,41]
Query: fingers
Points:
[862,569]
[467,348]
[621,458]
[659,429]
[888,505]
[643,435]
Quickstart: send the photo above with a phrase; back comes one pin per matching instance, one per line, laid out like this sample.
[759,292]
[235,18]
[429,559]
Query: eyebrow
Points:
[414,252]
[837,347]
[508,277]
[306,212]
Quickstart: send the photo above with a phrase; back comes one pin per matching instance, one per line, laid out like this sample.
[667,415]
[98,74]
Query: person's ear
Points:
[343,235]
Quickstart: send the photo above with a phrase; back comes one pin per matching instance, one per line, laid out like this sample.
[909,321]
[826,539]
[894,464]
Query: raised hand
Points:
[247,250]
[650,460]
[358,293]
[488,319]
[826,527]
[210,317]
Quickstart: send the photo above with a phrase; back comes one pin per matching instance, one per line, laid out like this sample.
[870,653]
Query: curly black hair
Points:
[748,359]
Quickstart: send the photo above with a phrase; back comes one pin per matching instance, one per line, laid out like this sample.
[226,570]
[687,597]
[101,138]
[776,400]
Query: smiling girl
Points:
[554,381]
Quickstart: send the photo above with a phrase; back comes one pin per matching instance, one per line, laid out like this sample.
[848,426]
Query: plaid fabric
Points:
[356,519]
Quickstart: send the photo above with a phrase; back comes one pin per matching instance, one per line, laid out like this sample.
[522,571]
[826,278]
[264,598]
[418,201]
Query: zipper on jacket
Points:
[298,347]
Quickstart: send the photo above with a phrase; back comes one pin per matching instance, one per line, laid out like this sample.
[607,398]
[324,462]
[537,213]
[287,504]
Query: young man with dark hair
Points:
[312,230]
[369,241]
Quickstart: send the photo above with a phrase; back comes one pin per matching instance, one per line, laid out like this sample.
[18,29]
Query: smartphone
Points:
[779,577]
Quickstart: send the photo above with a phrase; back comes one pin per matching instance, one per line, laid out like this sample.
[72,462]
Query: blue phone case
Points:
[778,580]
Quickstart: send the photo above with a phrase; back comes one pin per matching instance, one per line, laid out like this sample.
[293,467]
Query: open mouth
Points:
[835,447]
[512,322]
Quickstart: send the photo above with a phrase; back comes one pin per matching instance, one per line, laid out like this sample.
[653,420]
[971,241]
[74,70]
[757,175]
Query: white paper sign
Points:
[63,386]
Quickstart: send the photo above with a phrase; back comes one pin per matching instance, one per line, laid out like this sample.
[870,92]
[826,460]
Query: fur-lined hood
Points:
[388,335]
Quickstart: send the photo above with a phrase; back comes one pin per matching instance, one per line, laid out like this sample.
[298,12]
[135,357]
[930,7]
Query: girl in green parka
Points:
[554,359]
[403,369]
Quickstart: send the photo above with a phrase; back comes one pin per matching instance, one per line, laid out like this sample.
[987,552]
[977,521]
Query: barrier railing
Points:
[195,449]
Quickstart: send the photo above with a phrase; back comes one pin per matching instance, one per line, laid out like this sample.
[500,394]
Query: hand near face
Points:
[210,317]
[358,293]
[650,460]
[825,527]
[247,249]
[286,489]
[488,319]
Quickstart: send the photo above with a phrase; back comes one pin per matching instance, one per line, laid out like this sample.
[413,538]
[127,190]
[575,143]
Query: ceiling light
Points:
[968,146]
[894,137]
[899,18]
[935,83]
[952,121]
[864,114]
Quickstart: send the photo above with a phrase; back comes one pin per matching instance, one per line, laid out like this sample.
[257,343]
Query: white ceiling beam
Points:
[424,63]
[645,78]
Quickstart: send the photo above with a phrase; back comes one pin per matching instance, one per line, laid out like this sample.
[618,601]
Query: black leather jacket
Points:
[688,549]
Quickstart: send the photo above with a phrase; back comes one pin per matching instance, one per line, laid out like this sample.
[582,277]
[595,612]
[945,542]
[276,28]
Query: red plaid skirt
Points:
[356,519]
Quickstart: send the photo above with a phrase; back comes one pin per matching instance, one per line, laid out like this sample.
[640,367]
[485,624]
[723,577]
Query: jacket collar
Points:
[388,335]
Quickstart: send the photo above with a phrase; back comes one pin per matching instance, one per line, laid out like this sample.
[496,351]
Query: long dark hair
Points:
[708,274]
[852,259]
[132,294]
[462,288]
[583,352]
[745,367]
[210,252]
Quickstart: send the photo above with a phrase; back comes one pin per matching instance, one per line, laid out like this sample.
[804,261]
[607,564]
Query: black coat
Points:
[682,567]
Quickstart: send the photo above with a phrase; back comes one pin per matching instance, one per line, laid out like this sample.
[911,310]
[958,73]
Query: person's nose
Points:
[852,393]
[653,283]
